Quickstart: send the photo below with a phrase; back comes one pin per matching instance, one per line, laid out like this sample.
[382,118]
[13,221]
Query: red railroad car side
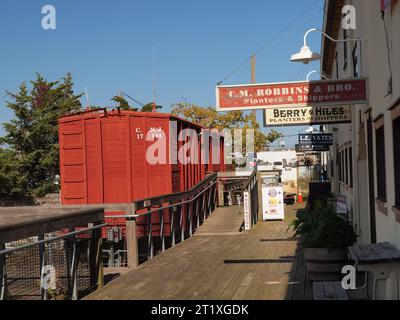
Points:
[103,157]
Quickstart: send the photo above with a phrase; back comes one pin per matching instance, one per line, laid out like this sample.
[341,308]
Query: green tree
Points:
[210,118]
[149,107]
[29,158]
[123,103]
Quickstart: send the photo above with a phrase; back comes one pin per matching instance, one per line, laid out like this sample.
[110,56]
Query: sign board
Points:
[246,210]
[325,139]
[291,94]
[307,115]
[311,148]
[272,202]
[341,205]
[384,5]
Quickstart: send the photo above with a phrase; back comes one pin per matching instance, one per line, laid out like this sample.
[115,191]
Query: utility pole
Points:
[253,69]
[253,80]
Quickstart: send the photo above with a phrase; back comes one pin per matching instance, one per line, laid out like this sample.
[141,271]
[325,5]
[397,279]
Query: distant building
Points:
[283,156]
[284,160]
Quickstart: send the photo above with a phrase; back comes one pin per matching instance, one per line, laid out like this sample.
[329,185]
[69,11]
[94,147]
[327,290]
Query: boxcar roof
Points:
[94,113]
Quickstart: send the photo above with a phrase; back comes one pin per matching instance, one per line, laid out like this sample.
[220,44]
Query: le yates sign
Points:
[308,115]
[291,94]
[325,139]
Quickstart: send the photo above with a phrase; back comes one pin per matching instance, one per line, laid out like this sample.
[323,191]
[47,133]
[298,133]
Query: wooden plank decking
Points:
[220,263]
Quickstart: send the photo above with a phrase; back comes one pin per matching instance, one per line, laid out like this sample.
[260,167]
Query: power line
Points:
[267,43]
[299,72]
[133,99]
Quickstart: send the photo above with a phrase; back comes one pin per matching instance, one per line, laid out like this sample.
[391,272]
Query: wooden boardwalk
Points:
[219,263]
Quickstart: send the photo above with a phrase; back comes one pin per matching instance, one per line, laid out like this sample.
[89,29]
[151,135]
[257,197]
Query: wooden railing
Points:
[155,224]
[169,219]
[52,253]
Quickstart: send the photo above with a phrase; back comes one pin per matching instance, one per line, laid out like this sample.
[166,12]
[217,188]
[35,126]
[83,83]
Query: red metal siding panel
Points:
[138,158]
[94,161]
[115,166]
[73,165]
[159,175]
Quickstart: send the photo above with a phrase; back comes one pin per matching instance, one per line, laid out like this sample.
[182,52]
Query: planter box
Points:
[325,264]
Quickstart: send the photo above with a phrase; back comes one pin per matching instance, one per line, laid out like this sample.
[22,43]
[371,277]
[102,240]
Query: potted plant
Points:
[325,237]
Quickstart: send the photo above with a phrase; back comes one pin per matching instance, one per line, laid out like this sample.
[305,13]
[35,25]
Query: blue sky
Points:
[108,46]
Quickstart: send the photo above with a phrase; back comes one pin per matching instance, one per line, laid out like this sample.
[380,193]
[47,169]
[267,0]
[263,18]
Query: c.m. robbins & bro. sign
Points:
[296,103]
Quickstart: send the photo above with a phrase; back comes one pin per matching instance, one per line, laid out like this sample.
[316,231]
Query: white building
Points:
[283,160]
[277,156]
[364,164]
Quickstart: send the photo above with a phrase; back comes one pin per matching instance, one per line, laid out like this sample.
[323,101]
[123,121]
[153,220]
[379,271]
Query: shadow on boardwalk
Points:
[219,263]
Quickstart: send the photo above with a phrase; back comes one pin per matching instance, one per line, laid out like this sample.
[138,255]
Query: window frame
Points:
[355,57]
[345,49]
[351,174]
[396,156]
[346,165]
[380,159]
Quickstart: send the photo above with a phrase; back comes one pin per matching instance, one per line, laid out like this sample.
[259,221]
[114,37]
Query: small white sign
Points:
[272,201]
[246,211]
[341,205]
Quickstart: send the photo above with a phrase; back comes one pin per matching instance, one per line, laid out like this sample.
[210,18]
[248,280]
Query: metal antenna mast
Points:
[154,80]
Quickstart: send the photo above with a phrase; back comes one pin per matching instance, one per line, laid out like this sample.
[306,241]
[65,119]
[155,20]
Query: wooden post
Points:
[42,258]
[99,262]
[162,233]
[150,243]
[2,274]
[190,217]
[96,257]
[259,195]
[173,215]
[197,213]
[204,206]
[182,211]
[74,271]
[210,194]
[220,193]
[131,241]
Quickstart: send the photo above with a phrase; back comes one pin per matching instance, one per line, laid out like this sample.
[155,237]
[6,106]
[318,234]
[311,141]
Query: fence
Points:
[159,223]
[63,263]
[60,256]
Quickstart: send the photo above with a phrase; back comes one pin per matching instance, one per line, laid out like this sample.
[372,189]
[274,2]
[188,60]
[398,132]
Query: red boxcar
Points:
[103,156]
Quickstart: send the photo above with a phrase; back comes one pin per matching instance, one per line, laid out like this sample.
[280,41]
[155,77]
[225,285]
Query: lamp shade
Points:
[305,56]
